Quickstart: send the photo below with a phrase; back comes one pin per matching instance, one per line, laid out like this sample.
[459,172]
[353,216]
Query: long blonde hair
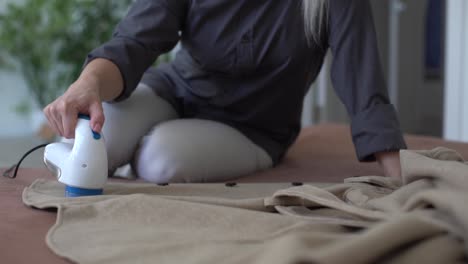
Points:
[315,19]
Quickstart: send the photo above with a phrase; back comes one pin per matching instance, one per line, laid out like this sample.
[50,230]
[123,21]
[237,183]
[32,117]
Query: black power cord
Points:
[16,166]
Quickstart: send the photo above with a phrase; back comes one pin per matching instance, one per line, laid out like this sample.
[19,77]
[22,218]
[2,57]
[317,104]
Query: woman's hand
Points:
[82,97]
[100,81]
[390,163]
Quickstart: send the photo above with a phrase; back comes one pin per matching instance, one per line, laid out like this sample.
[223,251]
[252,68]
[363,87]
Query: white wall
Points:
[12,91]
[420,100]
[456,85]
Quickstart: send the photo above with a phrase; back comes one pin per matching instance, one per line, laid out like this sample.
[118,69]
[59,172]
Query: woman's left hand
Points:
[390,163]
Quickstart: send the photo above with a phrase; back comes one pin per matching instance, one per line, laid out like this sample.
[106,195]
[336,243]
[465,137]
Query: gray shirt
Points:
[247,63]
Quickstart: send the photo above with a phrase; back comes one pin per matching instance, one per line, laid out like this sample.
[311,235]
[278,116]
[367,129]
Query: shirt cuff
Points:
[375,130]
[112,51]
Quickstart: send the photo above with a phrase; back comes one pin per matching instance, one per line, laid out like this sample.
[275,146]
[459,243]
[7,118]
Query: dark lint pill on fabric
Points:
[297,184]
[163,184]
[231,184]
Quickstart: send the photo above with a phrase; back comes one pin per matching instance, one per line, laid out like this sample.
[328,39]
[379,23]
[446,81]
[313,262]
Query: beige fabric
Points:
[364,220]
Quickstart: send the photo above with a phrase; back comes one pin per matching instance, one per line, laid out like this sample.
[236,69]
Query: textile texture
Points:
[368,219]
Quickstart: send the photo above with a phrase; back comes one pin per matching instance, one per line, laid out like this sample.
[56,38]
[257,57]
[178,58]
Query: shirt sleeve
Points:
[358,79]
[150,28]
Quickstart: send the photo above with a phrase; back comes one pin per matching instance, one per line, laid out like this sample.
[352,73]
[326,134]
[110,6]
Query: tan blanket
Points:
[364,220]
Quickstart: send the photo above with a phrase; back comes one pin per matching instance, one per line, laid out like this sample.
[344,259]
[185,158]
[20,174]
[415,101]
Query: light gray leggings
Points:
[144,130]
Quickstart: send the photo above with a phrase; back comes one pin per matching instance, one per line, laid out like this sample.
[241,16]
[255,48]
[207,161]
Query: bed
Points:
[322,153]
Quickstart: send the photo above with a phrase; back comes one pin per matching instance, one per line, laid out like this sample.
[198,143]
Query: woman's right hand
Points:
[83,97]
[100,81]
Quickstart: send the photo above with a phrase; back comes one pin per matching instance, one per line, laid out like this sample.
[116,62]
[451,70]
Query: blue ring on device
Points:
[71,191]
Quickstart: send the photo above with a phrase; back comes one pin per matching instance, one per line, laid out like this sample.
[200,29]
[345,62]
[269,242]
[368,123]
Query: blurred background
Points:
[43,43]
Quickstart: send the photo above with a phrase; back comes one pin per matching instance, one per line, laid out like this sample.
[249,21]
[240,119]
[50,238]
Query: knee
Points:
[163,161]
[164,168]
[197,151]
[127,122]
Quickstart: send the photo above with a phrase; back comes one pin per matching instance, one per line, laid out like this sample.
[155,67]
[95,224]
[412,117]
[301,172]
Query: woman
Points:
[231,101]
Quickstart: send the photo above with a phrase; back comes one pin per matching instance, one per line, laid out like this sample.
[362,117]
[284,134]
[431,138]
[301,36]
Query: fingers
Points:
[54,119]
[62,117]
[97,116]
[48,113]
[62,114]
[69,121]
[57,118]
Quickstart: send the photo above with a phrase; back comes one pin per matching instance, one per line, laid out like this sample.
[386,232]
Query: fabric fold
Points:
[370,219]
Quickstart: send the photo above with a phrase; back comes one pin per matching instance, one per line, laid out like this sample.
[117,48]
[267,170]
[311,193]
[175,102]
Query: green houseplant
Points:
[46,41]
